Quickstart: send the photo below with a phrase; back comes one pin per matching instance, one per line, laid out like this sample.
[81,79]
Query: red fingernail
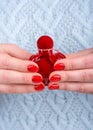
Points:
[53,86]
[37,79]
[55,78]
[39,87]
[32,68]
[59,66]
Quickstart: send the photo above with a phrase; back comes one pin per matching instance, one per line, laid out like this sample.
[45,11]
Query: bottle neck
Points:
[45,52]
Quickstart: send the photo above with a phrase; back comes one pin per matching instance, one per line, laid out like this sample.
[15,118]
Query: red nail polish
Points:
[32,68]
[46,57]
[55,78]
[53,86]
[39,87]
[36,79]
[59,66]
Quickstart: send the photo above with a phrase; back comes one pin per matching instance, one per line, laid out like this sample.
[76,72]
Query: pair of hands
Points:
[19,75]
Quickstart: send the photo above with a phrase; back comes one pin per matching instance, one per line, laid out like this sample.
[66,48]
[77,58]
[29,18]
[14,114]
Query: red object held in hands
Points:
[45,58]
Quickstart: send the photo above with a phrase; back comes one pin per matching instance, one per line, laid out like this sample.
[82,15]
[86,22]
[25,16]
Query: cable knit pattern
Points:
[70,23]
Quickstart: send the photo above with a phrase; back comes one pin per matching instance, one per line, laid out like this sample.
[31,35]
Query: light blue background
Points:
[70,23]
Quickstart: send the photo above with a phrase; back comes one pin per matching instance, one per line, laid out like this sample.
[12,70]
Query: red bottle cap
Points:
[45,42]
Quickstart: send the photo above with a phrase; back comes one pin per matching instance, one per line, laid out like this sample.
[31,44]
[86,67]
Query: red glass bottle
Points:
[46,57]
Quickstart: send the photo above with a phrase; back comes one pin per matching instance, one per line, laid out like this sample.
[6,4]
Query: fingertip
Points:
[33,67]
[36,78]
[51,74]
[59,66]
[39,87]
[58,61]
[35,64]
[53,86]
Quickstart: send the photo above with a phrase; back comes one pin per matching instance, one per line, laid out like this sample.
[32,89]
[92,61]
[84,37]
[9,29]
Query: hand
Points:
[17,73]
[77,74]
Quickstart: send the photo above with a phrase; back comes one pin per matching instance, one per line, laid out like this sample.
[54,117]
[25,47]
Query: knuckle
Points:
[25,78]
[5,61]
[84,76]
[66,86]
[91,58]
[70,64]
[92,55]
[91,50]
[66,76]
[81,88]
[28,89]
[9,89]
[86,62]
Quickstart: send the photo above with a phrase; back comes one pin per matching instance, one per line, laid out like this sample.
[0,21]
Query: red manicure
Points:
[59,66]
[55,78]
[32,68]
[53,86]
[39,87]
[37,79]
[46,57]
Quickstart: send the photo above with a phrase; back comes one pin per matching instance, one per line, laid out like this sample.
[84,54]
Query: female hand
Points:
[17,73]
[75,73]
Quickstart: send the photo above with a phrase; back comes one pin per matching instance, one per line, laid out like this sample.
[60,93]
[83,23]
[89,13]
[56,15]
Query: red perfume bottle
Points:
[46,57]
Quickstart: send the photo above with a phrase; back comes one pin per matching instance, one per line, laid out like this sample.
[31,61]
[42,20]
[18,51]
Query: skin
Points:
[78,72]
[14,76]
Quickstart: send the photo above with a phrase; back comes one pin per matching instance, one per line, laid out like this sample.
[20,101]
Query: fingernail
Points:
[59,66]
[32,68]
[55,78]
[37,79]
[53,87]
[39,87]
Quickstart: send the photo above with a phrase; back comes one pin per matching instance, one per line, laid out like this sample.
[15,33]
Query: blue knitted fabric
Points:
[70,23]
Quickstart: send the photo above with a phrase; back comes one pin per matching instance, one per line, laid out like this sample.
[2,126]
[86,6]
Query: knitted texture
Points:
[70,24]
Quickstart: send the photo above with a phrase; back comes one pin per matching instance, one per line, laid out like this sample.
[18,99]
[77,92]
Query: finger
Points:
[15,51]
[80,53]
[15,88]
[75,75]
[73,86]
[76,63]
[15,77]
[12,63]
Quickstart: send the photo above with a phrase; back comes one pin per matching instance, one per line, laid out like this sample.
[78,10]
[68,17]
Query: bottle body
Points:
[46,61]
